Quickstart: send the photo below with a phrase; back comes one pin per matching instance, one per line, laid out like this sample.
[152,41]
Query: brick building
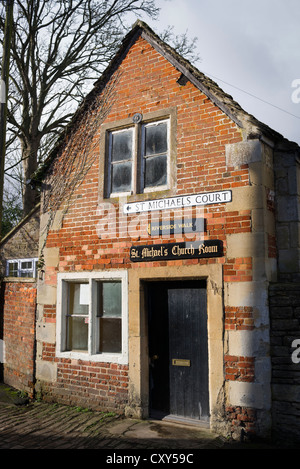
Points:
[163,228]
[19,251]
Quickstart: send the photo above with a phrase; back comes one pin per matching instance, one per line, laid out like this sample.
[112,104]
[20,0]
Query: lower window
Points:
[21,268]
[92,316]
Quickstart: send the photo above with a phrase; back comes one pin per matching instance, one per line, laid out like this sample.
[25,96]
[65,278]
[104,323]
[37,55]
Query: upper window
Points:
[21,268]
[138,158]
[92,316]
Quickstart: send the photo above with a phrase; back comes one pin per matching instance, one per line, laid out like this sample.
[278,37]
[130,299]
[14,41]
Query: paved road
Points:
[39,425]
[47,426]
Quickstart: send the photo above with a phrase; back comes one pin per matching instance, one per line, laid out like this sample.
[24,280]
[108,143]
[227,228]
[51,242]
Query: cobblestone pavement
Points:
[39,425]
[46,426]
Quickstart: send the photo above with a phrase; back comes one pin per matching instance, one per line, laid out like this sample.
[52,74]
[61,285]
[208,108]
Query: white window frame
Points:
[20,269]
[91,278]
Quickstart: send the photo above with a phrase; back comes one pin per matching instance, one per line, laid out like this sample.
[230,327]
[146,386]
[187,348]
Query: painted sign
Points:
[173,251]
[191,225]
[179,202]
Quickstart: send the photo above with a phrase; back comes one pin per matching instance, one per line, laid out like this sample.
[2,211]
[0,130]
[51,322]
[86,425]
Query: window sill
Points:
[118,358]
[119,195]
[140,197]
[20,279]
[150,190]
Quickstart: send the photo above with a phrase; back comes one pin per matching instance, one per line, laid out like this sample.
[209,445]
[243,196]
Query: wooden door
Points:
[188,353]
[178,349]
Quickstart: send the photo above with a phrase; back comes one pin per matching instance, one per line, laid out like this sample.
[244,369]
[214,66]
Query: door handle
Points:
[155,357]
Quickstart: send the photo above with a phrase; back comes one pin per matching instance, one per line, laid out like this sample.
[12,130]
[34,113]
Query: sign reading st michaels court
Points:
[175,251]
[179,202]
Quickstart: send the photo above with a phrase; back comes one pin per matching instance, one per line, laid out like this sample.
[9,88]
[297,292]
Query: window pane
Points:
[77,333]
[13,269]
[26,274]
[121,146]
[111,298]
[110,335]
[156,139]
[156,171]
[121,177]
[26,265]
[78,300]
[77,316]
[110,311]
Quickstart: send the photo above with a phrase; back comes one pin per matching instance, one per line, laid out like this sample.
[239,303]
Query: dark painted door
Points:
[178,349]
[188,352]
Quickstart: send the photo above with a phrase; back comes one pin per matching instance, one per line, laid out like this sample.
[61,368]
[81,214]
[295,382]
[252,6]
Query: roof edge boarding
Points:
[251,127]
[189,75]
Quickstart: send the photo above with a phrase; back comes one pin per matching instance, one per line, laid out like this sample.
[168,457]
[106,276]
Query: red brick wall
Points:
[19,334]
[239,368]
[99,386]
[242,417]
[239,318]
[81,382]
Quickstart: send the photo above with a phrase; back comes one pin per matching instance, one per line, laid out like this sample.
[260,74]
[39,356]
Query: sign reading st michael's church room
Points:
[173,251]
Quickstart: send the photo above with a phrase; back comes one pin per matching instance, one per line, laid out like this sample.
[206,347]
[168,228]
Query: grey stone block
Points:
[241,153]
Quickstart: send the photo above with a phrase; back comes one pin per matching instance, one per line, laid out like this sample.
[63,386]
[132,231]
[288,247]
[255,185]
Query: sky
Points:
[250,48]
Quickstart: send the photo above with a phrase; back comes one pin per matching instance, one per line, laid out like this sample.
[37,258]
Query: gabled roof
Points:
[252,127]
[13,231]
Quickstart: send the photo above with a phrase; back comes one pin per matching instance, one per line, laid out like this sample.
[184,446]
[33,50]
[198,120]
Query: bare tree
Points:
[58,48]
[182,43]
